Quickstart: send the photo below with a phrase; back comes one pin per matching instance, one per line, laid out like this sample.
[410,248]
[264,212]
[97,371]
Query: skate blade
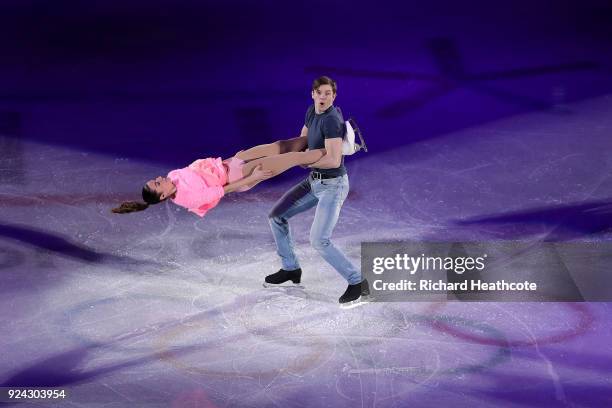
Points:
[283,285]
[356,303]
[362,142]
[359,135]
[351,305]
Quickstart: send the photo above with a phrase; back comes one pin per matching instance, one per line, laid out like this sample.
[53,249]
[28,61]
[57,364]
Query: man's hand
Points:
[260,174]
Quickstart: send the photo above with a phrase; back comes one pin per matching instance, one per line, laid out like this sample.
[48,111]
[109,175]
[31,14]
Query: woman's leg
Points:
[296,144]
[282,162]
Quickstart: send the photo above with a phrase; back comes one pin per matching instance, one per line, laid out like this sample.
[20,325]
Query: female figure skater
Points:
[200,186]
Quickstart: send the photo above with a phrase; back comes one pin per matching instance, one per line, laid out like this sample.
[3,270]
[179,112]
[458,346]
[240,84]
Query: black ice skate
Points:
[355,295]
[284,278]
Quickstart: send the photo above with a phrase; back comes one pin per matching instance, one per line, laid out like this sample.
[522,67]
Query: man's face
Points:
[323,97]
[162,186]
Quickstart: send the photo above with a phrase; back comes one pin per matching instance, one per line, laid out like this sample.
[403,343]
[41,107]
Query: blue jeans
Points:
[327,195]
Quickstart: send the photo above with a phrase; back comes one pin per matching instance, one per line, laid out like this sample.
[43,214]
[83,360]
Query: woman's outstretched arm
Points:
[255,177]
[258,170]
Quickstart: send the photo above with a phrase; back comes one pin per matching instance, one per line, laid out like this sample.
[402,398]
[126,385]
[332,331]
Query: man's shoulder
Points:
[332,125]
[334,116]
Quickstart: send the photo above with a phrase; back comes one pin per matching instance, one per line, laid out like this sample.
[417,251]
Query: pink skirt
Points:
[234,171]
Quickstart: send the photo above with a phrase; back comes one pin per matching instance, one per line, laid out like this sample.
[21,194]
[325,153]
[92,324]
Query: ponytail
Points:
[130,206]
[148,195]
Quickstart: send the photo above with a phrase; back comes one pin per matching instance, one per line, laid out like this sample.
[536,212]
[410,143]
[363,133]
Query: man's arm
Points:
[333,158]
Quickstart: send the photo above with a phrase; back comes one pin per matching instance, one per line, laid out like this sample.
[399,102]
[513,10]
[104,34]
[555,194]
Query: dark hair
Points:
[149,196]
[324,80]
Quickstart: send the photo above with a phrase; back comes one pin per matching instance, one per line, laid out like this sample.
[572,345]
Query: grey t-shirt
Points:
[326,125]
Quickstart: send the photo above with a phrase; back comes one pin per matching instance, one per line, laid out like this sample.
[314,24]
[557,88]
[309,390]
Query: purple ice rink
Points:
[484,122]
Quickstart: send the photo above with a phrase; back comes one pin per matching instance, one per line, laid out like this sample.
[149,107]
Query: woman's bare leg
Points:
[296,144]
[282,162]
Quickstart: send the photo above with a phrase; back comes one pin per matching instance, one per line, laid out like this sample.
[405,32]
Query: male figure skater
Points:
[326,187]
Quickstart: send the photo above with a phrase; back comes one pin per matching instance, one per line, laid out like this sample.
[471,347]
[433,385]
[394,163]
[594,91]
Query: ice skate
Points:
[284,279]
[349,146]
[355,295]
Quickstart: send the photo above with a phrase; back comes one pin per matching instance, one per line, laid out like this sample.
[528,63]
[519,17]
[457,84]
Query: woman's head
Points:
[154,191]
[158,189]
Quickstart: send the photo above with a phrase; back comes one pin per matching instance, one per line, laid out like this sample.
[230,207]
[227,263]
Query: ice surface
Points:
[163,308]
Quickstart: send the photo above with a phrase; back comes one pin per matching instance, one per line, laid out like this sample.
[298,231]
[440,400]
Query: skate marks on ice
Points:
[282,342]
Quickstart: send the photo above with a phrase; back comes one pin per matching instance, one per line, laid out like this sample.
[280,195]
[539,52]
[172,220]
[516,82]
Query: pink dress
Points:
[234,171]
[199,186]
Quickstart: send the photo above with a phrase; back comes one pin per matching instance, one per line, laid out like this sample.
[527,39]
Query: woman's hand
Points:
[259,174]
